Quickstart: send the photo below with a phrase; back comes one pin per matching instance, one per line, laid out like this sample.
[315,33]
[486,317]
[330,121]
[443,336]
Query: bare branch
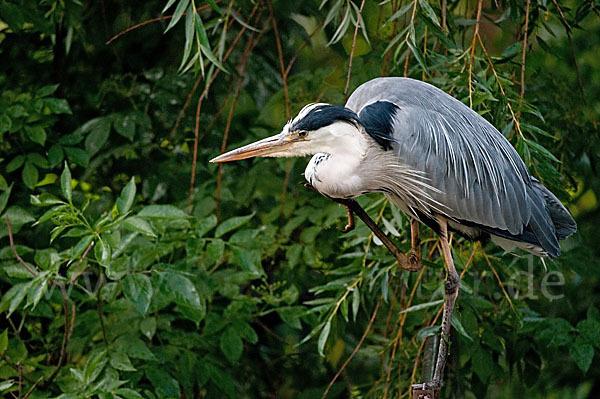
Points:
[14,249]
[356,348]
[358,21]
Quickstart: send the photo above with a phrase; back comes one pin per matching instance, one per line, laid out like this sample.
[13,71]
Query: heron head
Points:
[316,128]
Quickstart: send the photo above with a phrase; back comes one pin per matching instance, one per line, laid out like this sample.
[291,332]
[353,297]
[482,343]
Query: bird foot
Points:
[427,390]
[309,186]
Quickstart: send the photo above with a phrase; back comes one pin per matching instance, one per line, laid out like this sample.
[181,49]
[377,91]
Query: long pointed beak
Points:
[263,148]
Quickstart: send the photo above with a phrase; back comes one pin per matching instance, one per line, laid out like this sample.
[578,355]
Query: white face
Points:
[339,136]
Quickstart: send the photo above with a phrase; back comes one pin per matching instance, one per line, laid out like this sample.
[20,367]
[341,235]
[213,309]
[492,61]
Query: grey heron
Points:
[433,157]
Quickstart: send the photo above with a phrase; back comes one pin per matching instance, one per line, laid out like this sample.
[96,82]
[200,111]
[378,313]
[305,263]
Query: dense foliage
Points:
[131,267]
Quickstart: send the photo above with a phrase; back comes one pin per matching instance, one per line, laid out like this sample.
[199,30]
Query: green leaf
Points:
[77,155]
[419,57]
[482,364]
[215,250]
[5,123]
[138,289]
[4,341]
[14,296]
[137,224]
[4,199]
[125,200]
[291,316]
[589,330]
[134,347]
[98,135]
[30,175]
[128,393]
[169,4]
[38,288]
[246,332]
[429,12]
[179,10]
[120,361]
[459,327]
[164,385]
[148,327]
[206,225]
[249,260]
[232,224]
[94,366]
[355,302]
[15,163]
[55,155]
[180,290]
[189,35]
[102,252]
[36,133]
[422,306]
[81,245]
[124,124]
[57,105]
[46,90]
[323,338]
[232,345]
[582,353]
[541,150]
[163,212]
[4,385]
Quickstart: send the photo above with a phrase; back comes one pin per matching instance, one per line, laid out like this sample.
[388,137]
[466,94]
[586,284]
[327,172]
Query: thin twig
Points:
[20,378]
[472,57]
[286,95]
[412,21]
[200,77]
[523,56]
[512,113]
[14,249]
[562,16]
[75,277]
[572,47]
[15,367]
[499,281]
[149,21]
[35,384]
[250,45]
[444,7]
[358,20]
[199,106]
[66,335]
[299,50]
[398,339]
[356,348]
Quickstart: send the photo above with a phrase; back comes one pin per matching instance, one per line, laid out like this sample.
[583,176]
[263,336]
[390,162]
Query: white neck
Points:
[332,171]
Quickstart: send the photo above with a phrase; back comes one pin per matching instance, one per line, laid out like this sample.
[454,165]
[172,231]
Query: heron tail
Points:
[563,222]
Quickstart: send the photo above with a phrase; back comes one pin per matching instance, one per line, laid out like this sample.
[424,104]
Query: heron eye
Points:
[302,133]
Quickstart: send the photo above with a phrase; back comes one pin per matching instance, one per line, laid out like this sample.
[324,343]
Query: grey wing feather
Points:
[480,177]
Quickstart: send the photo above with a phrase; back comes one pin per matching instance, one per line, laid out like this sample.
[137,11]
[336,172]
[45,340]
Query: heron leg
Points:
[405,262]
[412,263]
[431,389]
[415,241]
[451,289]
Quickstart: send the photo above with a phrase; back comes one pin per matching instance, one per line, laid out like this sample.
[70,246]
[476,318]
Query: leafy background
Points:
[131,267]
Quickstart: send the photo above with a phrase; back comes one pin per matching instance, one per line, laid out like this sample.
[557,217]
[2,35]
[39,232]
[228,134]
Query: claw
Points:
[426,390]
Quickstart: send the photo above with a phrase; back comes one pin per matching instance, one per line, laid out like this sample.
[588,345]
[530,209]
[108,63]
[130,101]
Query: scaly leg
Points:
[451,289]
[415,242]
